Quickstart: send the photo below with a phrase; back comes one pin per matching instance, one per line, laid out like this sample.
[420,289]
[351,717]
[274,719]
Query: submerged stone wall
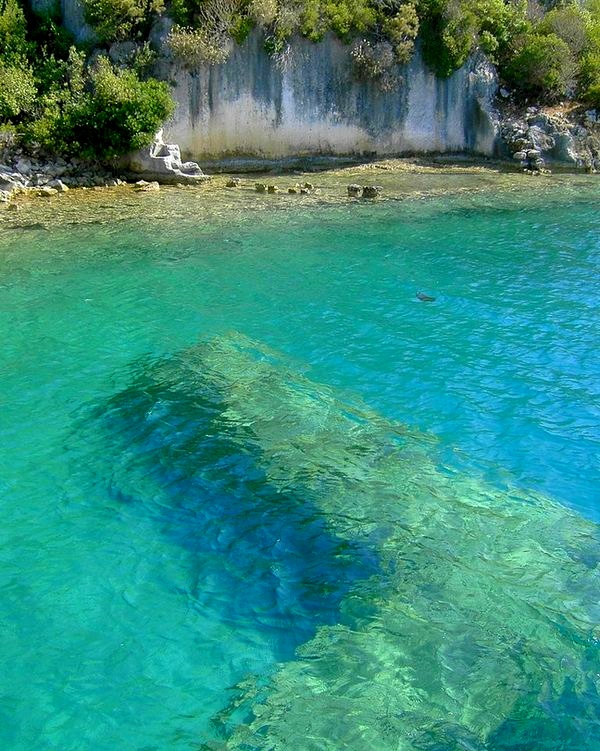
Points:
[309,103]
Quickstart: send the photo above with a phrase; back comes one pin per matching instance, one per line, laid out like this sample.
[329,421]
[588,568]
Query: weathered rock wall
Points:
[73,17]
[309,103]
[563,139]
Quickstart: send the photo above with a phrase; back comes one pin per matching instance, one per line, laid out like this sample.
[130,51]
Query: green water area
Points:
[259,494]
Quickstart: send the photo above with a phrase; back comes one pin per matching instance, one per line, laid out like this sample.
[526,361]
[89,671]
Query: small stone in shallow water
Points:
[273,189]
[355,191]
[234,182]
[309,186]
[293,191]
[372,191]
[144,187]
[47,192]
[260,187]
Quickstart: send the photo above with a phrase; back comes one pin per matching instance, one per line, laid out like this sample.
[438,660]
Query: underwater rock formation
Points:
[479,628]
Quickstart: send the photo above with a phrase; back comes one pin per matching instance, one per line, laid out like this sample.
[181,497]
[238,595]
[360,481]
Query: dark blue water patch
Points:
[261,557]
[564,723]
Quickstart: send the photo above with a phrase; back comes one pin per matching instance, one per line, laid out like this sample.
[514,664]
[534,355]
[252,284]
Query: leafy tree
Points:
[344,17]
[17,91]
[592,95]
[401,29]
[101,113]
[120,113]
[543,67]
[569,23]
[13,31]
[115,20]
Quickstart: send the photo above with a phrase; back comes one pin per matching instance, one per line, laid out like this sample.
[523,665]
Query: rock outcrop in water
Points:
[478,630]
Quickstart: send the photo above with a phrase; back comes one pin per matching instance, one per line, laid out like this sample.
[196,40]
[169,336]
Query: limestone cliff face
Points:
[309,103]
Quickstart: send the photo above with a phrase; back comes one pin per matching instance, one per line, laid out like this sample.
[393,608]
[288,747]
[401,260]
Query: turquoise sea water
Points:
[256,495]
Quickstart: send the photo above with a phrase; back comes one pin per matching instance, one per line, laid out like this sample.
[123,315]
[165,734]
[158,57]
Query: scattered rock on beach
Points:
[144,187]
[58,185]
[46,192]
[372,191]
[355,191]
[233,182]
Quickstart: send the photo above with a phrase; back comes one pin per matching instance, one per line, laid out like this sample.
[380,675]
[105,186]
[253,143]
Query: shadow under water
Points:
[449,615]
[262,558]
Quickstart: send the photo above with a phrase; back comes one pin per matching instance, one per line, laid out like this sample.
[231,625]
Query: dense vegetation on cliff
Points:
[547,51]
[60,100]
[74,100]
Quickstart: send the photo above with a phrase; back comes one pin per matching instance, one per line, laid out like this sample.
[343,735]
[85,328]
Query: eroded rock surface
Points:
[162,162]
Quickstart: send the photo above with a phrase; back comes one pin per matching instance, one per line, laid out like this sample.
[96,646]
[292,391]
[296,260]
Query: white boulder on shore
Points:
[162,162]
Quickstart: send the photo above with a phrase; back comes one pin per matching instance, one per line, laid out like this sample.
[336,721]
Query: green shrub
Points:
[122,113]
[543,67]
[449,32]
[13,31]
[592,95]
[100,115]
[500,25]
[589,70]
[117,20]
[193,47]
[17,90]
[181,12]
[453,29]
[264,12]
[375,62]
[275,44]
[143,60]
[401,29]
[569,23]
[349,17]
[241,27]
[344,17]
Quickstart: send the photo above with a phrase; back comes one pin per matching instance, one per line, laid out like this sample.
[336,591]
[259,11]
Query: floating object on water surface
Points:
[425,298]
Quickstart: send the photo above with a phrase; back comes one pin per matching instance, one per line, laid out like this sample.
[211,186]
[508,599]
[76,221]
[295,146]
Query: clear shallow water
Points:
[386,522]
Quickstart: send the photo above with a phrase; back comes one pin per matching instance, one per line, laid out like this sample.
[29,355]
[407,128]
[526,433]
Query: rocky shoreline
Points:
[22,173]
[537,138]
[533,141]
